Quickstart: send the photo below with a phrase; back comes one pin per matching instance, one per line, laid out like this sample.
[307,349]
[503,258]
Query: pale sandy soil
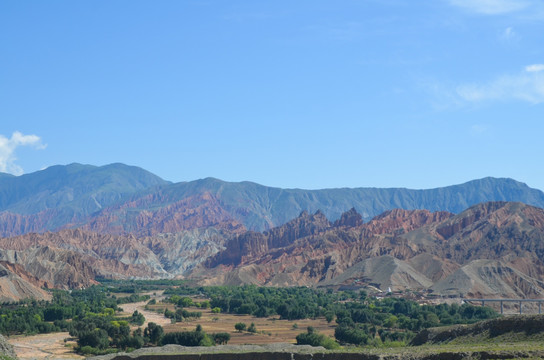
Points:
[150,316]
[43,346]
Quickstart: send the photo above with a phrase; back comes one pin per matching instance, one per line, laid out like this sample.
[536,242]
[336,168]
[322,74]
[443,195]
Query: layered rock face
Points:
[75,258]
[17,284]
[165,215]
[493,249]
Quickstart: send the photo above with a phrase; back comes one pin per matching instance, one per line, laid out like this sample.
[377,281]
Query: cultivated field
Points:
[269,330]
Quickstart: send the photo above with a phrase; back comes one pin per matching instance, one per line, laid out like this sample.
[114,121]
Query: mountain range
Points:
[66,226]
[120,199]
[490,249]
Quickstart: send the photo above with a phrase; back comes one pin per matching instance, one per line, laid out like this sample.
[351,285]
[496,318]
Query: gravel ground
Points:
[43,346]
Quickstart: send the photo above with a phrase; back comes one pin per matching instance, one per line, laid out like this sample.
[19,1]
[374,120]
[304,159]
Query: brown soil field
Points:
[269,330]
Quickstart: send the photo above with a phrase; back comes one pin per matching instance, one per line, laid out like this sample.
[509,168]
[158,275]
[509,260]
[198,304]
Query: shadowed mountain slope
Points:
[123,199]
[51,198]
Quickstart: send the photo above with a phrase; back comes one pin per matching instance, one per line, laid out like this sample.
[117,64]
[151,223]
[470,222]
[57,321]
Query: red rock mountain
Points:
[75,258]
[490,249]
[194,212]
[17,284]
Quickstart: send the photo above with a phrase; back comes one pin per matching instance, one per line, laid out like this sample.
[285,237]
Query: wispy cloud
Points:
[534,68]
[491,7]
[527,85]
[509,35]
[8,147]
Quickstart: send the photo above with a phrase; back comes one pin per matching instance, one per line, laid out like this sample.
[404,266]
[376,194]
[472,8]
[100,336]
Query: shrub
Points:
[240,326]
[221,338]
[313,338]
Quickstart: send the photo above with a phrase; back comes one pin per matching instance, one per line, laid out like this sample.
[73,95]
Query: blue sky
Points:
[308,94]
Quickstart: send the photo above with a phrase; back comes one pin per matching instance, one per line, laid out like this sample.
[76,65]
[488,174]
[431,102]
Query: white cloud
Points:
[491,7]
[8,147]
[527,85]
[534,68]
[509,35]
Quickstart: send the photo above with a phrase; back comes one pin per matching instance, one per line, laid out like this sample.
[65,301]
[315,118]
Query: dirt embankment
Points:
[292,352]
[513,328]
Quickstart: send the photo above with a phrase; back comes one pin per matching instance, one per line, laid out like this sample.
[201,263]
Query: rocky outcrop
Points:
[492,249]
[56,268]
[6,349]
[74,258]
[14,287]
[350,218]
[163,215]
[251,246]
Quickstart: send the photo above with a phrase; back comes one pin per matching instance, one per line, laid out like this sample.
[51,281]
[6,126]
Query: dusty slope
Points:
[14,287]
[74,258]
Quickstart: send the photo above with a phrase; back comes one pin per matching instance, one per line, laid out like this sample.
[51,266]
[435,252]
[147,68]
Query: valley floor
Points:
[44,346]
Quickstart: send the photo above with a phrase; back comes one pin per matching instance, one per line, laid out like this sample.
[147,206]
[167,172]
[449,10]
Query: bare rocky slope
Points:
[17,284]
[75,258]
[491,249]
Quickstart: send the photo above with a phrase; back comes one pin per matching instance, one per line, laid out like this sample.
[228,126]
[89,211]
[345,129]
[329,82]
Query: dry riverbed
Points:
[52,346]
[44,346]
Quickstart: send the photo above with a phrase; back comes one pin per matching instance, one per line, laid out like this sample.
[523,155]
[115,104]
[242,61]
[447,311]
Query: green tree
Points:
[313,338]
[240,326]
[221,338]
[153,333]
[97,338]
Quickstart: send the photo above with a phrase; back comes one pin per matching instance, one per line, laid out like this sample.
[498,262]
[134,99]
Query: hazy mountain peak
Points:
[78,194]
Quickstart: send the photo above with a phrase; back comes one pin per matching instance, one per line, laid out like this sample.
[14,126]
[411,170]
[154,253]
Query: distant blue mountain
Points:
[75,193]
[84,188]
[264,207]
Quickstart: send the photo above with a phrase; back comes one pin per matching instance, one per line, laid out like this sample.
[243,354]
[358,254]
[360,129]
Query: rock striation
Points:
[491,249]
[17,284]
